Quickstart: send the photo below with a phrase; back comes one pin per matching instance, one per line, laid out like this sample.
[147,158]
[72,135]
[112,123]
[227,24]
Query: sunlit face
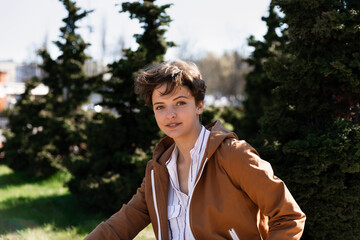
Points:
[176,113]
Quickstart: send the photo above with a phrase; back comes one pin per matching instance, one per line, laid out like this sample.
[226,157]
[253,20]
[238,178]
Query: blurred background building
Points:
[14,75]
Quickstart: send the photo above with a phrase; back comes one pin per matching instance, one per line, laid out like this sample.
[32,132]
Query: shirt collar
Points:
[198,144]
[193,152]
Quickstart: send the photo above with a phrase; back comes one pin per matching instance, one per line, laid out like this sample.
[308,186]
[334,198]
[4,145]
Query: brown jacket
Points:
[235,189]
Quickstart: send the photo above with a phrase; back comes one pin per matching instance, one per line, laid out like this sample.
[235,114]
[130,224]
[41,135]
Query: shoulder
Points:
[149,164]
[149,167]
[240,150]
[239,159]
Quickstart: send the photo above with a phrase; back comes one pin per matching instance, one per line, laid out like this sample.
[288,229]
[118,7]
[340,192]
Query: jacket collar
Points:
[218,133]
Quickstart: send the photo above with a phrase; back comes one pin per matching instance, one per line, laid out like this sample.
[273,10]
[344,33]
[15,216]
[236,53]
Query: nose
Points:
[171,113]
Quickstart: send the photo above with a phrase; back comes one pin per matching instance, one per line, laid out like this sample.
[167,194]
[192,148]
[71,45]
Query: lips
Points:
[172,125]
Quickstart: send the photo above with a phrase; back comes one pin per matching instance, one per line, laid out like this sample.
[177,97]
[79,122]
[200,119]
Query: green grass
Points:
[33,208]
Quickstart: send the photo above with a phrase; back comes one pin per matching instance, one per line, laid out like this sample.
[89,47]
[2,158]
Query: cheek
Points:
[158,116]
[190,110]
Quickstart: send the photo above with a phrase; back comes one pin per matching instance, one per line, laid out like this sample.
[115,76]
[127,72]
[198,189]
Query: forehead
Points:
[157,94]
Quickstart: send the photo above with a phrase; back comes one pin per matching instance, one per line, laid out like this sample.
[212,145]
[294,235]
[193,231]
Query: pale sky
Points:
[205,25]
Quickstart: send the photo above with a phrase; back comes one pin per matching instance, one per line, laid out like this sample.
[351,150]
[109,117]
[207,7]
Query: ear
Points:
[200,107]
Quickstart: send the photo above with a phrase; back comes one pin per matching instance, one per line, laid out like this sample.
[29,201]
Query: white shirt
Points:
[178,202]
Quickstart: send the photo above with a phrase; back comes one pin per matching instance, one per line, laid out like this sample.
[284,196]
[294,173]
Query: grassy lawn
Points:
[41,209]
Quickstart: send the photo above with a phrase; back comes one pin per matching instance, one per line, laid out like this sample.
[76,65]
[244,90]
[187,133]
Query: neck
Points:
[185,145]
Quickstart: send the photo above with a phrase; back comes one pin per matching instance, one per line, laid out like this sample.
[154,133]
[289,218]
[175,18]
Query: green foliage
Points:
[210,115]
[109,171]
[322,77]
[120,142]
[45,131]
[229,116]
[322,170]
[258,84]
[26,135]
[312,127]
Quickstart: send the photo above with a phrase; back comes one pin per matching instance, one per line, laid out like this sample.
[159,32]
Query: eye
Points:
[180,103]
[159,107]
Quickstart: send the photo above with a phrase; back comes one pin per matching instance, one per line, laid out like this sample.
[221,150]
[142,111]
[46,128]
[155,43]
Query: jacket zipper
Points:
[155,203]
[233,234]
[188,209]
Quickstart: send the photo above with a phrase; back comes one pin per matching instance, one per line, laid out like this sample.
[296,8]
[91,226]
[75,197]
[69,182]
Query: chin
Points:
[172,135]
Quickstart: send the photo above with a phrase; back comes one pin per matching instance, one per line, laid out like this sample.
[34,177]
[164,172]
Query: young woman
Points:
[202,182]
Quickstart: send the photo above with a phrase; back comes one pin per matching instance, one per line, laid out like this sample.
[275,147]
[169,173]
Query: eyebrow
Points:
[173,99]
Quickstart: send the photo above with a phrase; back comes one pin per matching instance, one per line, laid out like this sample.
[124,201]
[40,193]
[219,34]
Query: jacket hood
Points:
[218,133]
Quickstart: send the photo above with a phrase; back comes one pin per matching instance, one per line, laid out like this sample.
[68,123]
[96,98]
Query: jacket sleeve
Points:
[126,223]
[256,178]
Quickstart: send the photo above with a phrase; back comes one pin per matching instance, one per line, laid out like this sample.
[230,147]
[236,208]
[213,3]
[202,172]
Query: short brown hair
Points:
[172,73]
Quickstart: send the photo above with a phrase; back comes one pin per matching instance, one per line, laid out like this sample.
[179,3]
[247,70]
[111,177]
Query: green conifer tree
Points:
[52,130]
[120,141]
[69,89]
[258,85]
[24,134]
[313,127]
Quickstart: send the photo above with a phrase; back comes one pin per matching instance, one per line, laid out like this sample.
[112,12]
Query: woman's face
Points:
[176,113]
